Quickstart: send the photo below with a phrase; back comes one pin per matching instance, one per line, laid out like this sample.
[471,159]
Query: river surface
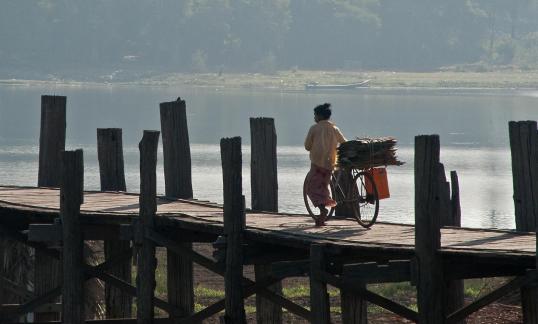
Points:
[472,124]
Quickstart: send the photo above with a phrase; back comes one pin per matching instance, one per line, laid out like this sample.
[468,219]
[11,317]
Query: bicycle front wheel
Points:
[365,199]
[310,208]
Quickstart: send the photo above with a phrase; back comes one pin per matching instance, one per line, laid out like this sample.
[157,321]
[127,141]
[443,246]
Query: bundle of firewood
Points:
[364,153]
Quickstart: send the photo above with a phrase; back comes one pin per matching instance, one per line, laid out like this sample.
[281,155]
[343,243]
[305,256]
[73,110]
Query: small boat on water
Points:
[350,86]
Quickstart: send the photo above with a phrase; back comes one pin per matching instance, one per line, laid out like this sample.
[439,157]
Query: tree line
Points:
[267,35]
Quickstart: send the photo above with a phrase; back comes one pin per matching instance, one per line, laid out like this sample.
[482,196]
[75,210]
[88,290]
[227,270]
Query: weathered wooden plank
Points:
[112,175]
[145,280]
[319,297]
[430,286]
[178,184]
[51,144]
[264,192]
[234,224]
[71,194]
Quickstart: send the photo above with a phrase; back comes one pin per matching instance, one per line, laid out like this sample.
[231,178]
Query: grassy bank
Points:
[295,80]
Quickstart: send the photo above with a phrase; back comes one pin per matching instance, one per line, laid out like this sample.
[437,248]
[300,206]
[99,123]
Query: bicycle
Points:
[361,194]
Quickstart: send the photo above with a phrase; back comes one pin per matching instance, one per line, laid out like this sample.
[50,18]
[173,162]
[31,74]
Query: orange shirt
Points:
[321,141]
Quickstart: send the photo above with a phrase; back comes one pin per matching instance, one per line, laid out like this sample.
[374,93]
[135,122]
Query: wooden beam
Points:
[117,321]
[20,237]
[112,176]
[14,288]
[185,252]
[129,289]
[371,297]
[71,197]
[36,302]
[145,280]
[372,272]
[53,233]
[178,184]
[217,268]
[471,270]
[290,268]
[265,255]
[218,306]
[489,298]
[90,272]
[430,285]
[234,224]
[15,308]
[264,196]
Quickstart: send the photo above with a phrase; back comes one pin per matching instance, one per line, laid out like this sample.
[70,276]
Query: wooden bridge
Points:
[103,209]
[435,255]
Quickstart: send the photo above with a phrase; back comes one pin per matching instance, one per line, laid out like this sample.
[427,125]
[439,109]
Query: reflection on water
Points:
[472,126]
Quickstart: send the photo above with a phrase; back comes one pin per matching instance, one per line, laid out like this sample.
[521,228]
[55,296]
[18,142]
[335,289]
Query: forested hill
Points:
[265,35]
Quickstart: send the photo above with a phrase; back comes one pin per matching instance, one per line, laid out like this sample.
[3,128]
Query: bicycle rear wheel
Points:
[365,202]
[312,210]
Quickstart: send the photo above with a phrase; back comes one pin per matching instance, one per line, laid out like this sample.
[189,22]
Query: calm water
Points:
[472,125]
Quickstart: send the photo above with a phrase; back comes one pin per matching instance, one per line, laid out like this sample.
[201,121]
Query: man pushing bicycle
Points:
[321,141]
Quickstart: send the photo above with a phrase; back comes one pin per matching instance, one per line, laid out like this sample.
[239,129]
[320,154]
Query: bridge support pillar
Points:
[430,283]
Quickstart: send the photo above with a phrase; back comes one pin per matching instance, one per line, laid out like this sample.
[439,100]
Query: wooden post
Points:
[111,170]
[427,230]
[234,223]
[319,297]
[51,145]
[110,156]
[71,197]
[354,308]
[178,184]
[523,146]
[145,279]
[455,199]
[51,140]
[2,275]
[263,164]
[451,216]
[264,196]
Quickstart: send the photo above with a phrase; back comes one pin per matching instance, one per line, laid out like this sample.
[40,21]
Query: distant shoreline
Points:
[291,80]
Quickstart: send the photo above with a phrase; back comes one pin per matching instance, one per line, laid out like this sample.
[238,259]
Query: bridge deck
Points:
[34,204]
